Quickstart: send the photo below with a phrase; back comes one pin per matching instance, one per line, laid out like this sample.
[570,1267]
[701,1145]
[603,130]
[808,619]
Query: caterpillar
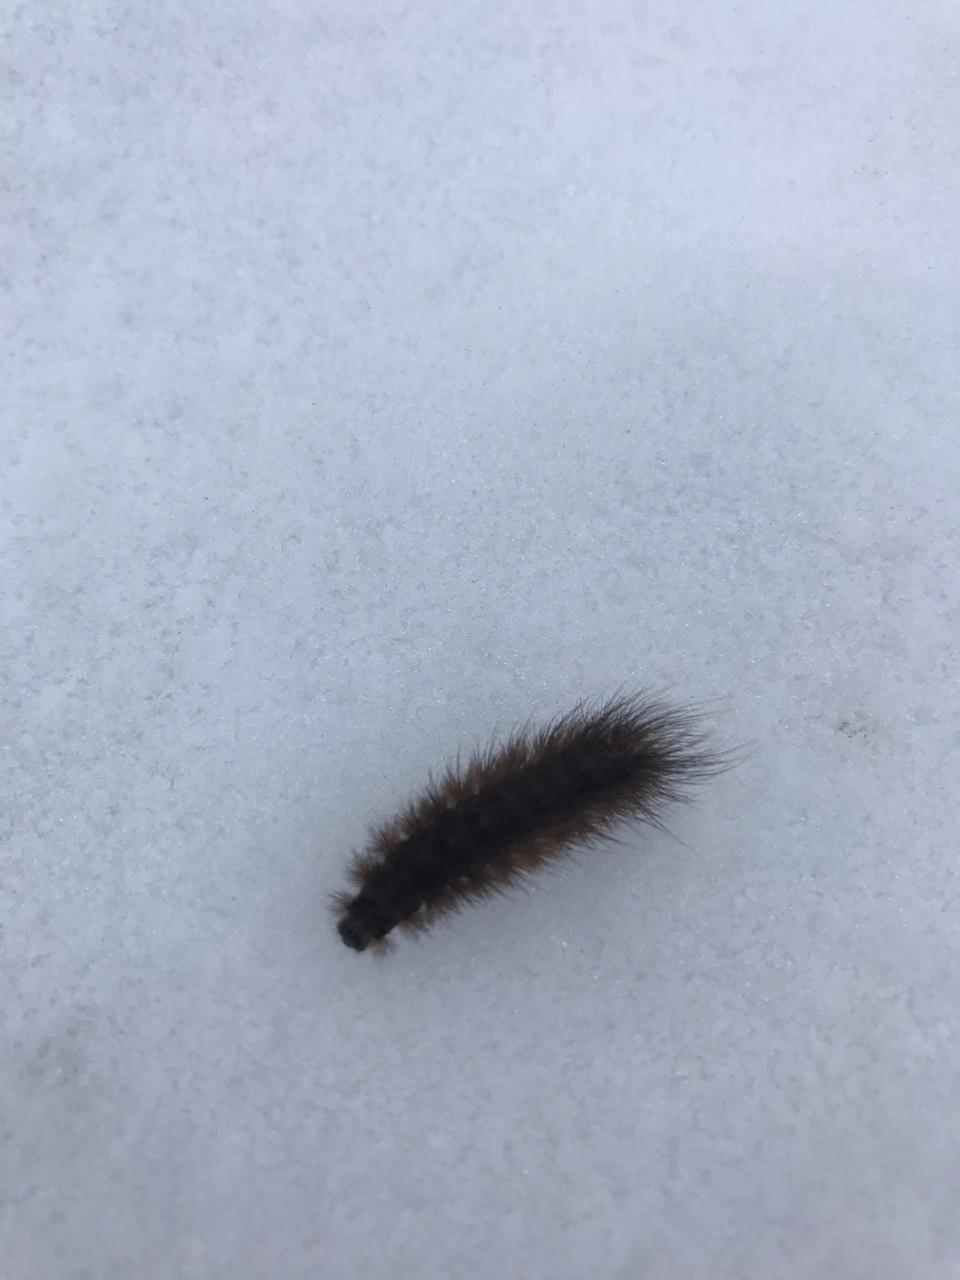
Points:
[516,806]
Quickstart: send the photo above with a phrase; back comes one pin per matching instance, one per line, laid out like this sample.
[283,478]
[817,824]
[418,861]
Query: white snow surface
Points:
[378,375]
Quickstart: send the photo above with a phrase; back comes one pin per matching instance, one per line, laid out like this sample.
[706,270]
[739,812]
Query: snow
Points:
[378,375]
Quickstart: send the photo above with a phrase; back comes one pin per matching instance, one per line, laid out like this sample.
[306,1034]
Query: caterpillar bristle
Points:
[480,828]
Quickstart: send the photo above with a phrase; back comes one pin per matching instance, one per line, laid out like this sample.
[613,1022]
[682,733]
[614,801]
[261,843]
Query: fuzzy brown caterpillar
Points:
[517,806]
